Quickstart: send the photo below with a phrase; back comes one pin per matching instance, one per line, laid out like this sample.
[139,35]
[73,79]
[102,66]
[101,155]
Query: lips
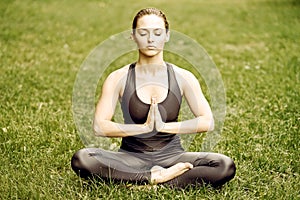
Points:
[151,47]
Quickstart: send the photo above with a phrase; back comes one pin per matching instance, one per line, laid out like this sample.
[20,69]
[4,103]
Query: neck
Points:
[156,60]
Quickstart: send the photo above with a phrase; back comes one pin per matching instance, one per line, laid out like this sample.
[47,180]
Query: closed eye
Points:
[142,32]
[158,32]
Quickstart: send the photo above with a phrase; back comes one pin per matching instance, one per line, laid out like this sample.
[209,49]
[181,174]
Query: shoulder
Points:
[183,75]
[116,80]
[118,74]
[187,82]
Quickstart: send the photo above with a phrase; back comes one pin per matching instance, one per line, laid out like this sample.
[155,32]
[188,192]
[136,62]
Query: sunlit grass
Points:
[255,45]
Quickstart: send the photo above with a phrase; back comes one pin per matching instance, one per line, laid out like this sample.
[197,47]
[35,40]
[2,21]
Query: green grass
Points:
[255,45]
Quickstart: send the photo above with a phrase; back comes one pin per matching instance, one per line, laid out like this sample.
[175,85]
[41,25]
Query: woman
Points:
[150,92]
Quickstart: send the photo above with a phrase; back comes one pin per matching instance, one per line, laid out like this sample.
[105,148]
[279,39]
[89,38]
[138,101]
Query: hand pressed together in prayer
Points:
[154,120]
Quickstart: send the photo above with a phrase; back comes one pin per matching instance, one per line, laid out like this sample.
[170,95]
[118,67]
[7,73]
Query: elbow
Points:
[206,124]
[211,124]
[97,130]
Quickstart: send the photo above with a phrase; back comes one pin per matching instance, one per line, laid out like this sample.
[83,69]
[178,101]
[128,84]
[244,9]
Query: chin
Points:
[150,53]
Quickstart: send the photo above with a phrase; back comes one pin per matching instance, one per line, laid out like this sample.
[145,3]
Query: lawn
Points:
[254,44]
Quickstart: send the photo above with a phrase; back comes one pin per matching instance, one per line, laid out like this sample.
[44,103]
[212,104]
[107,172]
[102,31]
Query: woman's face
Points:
[150,35]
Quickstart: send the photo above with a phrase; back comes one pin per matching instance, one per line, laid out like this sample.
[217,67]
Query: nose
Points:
[150,37]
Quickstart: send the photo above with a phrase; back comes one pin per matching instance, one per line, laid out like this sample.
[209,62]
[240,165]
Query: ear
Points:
[167,36]
[132,36]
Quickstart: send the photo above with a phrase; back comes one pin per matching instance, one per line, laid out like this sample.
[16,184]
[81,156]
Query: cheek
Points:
[140,41]
[160,41]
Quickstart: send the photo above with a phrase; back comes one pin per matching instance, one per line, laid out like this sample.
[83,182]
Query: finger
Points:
[157,116]
[153,100]
[151,110]
[156,110]
[189,165]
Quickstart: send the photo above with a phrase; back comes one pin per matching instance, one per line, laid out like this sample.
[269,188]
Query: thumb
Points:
[153,100]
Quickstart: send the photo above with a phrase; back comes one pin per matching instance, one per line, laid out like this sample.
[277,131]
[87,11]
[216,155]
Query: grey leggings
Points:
[212,168]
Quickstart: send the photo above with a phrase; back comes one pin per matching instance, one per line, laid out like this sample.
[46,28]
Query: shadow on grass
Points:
[107,186]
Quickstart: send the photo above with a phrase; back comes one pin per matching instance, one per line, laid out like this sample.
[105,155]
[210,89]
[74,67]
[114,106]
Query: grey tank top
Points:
[135,112]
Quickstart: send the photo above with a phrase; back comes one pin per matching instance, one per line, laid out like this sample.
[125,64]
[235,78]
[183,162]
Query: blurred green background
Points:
[255,45]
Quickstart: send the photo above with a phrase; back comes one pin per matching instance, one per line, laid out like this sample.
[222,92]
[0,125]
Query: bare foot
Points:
[160,174]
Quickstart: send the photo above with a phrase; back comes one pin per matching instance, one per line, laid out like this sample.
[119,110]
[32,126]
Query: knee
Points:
[78,165]
[75,161]
[229,170]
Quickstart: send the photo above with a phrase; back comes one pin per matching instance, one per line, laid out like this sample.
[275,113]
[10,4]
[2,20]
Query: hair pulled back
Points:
[150,11]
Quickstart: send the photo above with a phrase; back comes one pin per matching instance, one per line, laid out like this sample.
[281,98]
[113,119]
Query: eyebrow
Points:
[146,29]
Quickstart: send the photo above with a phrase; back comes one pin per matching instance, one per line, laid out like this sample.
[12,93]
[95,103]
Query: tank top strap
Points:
[130,82]
[173,84]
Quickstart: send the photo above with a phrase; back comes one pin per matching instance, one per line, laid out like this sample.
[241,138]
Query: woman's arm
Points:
[198,104]
[111,90]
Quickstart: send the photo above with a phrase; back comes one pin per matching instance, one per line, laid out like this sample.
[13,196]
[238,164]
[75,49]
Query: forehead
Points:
[150,21]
